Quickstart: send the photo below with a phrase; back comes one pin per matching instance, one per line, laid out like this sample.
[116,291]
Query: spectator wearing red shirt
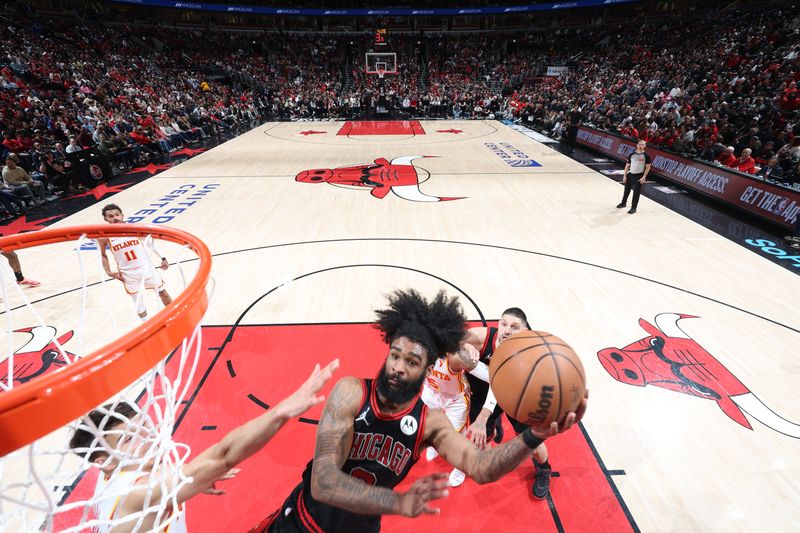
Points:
[727,158]
[790,100]
[670,138]
[12,144]
[138,136]
[628,129]
[85,138]
[745,163]
[25,140]
[714,130]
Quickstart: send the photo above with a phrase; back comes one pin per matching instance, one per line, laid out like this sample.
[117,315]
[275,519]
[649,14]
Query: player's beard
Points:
[400,393]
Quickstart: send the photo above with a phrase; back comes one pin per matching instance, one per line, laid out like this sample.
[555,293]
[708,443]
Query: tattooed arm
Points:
[482,466]
[475,337]
[492,463]
[332,486]
[466,358]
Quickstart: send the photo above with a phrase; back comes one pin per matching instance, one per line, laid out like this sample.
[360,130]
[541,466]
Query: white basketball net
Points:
[46,487]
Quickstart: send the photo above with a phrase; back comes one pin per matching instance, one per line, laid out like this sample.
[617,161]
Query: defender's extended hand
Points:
[306,397]
[213,490]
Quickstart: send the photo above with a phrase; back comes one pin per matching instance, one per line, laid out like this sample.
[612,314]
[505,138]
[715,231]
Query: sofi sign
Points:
[749,194]
[771,248]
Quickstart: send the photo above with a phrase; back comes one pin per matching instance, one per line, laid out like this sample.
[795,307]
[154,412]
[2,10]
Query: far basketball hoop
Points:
[380,63]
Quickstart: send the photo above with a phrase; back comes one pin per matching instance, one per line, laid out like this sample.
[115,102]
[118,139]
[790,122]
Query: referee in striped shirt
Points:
[636,170]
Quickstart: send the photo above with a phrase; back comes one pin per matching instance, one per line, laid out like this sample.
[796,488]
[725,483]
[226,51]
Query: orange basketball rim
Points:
[38,407]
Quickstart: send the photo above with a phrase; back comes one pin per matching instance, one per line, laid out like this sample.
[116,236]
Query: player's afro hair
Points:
[438,325]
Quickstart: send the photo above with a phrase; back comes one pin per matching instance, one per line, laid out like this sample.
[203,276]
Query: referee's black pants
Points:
[632,183]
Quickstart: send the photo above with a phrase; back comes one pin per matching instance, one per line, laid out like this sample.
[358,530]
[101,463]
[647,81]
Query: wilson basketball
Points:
[537,378]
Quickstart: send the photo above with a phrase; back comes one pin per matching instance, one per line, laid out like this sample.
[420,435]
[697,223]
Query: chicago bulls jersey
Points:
[129,252]
[384,449]
[444,381]
[488,345]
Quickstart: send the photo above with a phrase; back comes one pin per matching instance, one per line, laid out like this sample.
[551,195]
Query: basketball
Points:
[537,378]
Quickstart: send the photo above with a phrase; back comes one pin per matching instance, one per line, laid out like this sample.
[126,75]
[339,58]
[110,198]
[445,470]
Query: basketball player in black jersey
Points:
[372,430]
[484,422]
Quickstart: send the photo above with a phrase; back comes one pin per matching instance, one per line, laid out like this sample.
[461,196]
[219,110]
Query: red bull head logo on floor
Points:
[41,354]
[398,176]
[670,359]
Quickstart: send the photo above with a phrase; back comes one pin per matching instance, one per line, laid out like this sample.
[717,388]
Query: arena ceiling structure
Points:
[356,16]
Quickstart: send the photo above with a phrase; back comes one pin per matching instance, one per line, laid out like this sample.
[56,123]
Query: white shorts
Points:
[455,407]
[142,278]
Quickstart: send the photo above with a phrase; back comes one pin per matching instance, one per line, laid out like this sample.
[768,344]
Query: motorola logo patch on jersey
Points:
[408,425]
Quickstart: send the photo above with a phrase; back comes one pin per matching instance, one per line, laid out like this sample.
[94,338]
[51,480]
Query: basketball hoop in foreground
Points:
[39,412]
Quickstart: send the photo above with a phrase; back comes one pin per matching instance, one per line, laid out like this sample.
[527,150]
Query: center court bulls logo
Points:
[399,176]
[670,359]
[40,355]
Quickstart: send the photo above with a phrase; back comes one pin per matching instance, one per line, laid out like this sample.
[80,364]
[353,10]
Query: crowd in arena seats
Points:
[70,93]
[691,90]
[718,85]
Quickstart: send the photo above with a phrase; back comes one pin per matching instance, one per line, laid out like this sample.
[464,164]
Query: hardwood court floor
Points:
[665,445]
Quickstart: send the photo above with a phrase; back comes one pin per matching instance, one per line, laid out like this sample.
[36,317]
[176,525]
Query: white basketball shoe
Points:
[431,453]
[457,477]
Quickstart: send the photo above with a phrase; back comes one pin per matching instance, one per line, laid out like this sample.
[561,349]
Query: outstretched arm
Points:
[216,462]
[472,343]
[332,486]
[491,464]
[475,337]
